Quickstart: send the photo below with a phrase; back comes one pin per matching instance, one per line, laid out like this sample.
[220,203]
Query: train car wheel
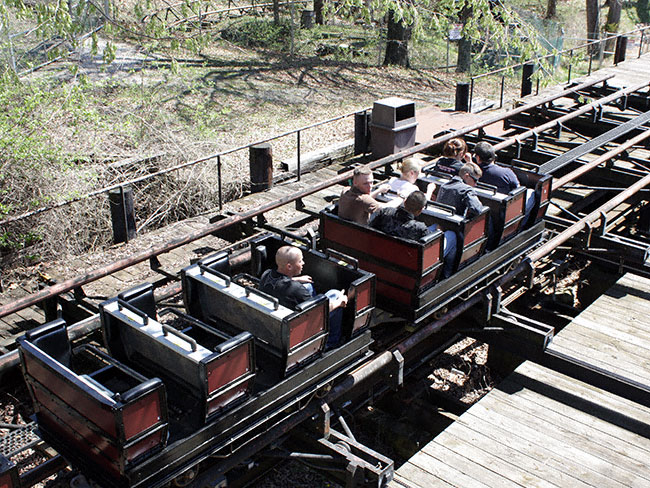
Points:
[187,477]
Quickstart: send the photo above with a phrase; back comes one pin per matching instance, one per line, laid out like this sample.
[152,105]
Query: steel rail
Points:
[575,113]
[116,266]
[560,182]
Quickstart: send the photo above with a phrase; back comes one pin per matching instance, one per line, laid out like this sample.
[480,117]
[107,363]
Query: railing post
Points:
[591,59]
[503,82]
[471,94]
[261,166]
[641,43]
[570,64]
[298,153]
[462,97]
[220,183]
[122,214]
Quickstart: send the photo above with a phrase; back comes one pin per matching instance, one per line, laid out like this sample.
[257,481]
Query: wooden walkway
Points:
[541,428]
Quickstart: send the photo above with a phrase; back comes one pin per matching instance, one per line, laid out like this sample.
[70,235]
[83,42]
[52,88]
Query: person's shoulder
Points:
[383,213]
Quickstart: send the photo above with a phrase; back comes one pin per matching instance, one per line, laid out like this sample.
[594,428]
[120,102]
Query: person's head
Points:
[410,169]
[415,202]
[289,261]
[362,179]
[470,173]
[484,153]
[454,148]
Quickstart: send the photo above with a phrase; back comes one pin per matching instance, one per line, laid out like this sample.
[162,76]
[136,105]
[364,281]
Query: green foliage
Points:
[257,33]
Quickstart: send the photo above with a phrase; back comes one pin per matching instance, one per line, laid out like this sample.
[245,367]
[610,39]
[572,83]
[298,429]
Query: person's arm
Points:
[514,180]
[474,205]
[303,279]
[340,301]
[431,187]
[380,190]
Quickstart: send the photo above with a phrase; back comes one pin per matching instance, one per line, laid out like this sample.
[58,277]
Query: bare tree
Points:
[551,9]
[593,22]
[613,22]
[398,36]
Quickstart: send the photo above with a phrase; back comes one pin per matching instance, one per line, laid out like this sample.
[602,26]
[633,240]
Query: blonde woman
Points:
[405,184]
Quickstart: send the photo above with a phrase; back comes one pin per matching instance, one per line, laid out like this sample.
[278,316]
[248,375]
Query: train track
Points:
[592,138]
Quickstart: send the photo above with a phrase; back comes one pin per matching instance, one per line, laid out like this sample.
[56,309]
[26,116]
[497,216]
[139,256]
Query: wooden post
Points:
[261,166]
[526,79]
[122,214]
[462,97]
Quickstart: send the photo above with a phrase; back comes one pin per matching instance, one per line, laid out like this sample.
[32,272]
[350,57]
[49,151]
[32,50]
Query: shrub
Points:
[258,33]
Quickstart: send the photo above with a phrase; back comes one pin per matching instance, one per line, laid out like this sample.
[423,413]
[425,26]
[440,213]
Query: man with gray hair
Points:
[459,192]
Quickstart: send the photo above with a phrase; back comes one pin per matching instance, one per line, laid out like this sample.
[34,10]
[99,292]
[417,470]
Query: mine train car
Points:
[179,387]
[409,279]
[176,388]
[8,474]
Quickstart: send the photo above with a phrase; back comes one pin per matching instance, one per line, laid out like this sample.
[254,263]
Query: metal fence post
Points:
[220,183]
[471,94]
[298,153]
[570,64]
[503,82]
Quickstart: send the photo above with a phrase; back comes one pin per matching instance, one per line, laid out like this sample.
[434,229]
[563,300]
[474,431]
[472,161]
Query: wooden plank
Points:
[457,469]
[555,444]
[583,426]
[611,355]
[620,330]
[548,382]
[627,316]
[411,475]
[484,457]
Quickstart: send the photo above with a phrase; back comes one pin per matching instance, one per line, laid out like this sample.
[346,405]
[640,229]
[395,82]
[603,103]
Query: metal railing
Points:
[216,156]
[592,48]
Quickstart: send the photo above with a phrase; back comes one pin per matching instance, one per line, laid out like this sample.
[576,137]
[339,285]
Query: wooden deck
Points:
[541,428]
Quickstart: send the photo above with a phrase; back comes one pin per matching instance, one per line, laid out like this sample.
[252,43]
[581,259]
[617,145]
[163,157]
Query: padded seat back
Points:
[52,339]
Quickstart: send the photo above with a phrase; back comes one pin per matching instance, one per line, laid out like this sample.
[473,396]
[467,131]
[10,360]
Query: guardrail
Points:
[593,49]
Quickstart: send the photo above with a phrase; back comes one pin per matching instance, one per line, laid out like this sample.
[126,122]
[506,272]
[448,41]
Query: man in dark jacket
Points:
[401,221]
[503,178]
[459,192]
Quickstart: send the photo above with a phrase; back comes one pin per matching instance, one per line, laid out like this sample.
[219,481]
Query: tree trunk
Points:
[276,12]
[318,11]
[593,23]
[551,9]
[613,22]
[398,36]
[464,61]
[643,11]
